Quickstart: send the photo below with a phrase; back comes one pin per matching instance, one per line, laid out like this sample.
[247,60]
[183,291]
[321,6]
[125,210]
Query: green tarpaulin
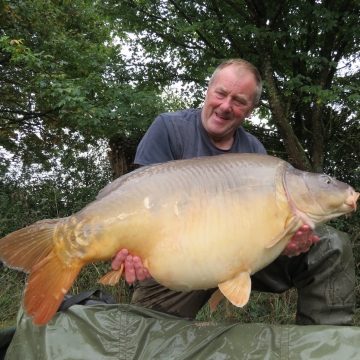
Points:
[127,332]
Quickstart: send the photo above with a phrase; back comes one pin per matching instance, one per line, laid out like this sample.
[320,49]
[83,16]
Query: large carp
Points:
[196,224]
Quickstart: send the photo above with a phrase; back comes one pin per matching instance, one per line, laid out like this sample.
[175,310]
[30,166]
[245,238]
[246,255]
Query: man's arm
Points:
[158,144]
[134,270]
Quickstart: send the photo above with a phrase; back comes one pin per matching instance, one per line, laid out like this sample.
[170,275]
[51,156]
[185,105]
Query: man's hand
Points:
[300,242]
[134,269]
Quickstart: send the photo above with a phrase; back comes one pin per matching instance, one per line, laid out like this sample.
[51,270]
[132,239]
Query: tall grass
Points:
[11,289]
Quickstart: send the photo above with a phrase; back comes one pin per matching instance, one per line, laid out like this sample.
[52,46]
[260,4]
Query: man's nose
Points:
[226,104]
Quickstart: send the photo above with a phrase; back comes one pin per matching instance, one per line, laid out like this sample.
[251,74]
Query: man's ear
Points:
[249,112]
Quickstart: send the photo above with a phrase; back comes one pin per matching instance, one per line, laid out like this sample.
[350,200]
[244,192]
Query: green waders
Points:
[324,277]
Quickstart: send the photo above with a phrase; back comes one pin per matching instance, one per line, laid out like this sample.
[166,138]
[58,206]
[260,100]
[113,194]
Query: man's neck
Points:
[223,144]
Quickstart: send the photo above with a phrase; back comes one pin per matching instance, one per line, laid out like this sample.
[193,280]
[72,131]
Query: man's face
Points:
[229,100]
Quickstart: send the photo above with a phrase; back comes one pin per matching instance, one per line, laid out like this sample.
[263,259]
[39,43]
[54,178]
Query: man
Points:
[323,272]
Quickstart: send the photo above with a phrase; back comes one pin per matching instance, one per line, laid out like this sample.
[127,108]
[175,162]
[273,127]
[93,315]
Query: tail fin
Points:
[32,250]
[24,248]
[47,285]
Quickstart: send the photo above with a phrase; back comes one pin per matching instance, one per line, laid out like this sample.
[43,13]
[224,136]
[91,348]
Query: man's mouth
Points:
[221,117]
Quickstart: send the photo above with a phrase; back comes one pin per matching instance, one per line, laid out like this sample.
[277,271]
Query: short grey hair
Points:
[241,64]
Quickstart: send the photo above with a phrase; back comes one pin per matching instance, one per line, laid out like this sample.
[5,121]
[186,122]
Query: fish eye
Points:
[328,180]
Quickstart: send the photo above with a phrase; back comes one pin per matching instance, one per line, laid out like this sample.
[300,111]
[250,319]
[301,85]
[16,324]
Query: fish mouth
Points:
[352,199]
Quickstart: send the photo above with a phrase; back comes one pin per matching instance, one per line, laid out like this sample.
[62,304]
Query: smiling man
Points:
[323,272]
[231,97]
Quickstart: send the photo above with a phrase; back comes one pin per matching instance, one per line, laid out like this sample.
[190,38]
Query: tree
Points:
[62,74]
[50,55]
[304,50]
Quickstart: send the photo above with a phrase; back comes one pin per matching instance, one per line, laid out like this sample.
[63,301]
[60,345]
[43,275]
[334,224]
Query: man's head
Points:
[233,92]
[240,65]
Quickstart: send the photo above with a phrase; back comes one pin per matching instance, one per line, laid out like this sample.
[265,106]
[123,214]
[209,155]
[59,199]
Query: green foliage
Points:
[60,188]
[61,73]
[52,59]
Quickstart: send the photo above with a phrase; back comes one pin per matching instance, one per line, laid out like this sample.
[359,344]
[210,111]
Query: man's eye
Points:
[239,102]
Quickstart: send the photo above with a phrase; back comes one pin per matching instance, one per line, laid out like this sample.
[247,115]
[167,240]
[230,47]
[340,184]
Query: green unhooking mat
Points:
[127,332]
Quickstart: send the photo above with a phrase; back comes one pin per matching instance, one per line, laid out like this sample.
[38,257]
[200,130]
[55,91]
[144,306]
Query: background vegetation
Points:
[81,81]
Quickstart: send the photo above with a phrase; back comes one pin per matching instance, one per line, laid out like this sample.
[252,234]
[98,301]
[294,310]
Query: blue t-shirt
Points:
[181,135]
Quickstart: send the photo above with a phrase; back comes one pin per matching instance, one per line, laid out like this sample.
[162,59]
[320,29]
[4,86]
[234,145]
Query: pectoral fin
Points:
[112,277]
[237,290]
[286,231]
[215,299]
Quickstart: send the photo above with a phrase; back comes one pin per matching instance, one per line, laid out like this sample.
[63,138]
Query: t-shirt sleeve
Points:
[260,148]
[157,145]
[256,145]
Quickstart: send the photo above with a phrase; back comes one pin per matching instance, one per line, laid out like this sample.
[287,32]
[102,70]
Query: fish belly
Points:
[214,250]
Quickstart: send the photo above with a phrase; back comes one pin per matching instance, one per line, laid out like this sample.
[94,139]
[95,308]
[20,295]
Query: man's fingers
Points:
[315,239]
[139,269]
[130,275]
[147,274]
[134,269]
[119,259]
[300,242]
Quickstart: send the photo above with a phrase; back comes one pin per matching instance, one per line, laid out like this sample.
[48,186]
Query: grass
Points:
[11,288]
[262,307]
